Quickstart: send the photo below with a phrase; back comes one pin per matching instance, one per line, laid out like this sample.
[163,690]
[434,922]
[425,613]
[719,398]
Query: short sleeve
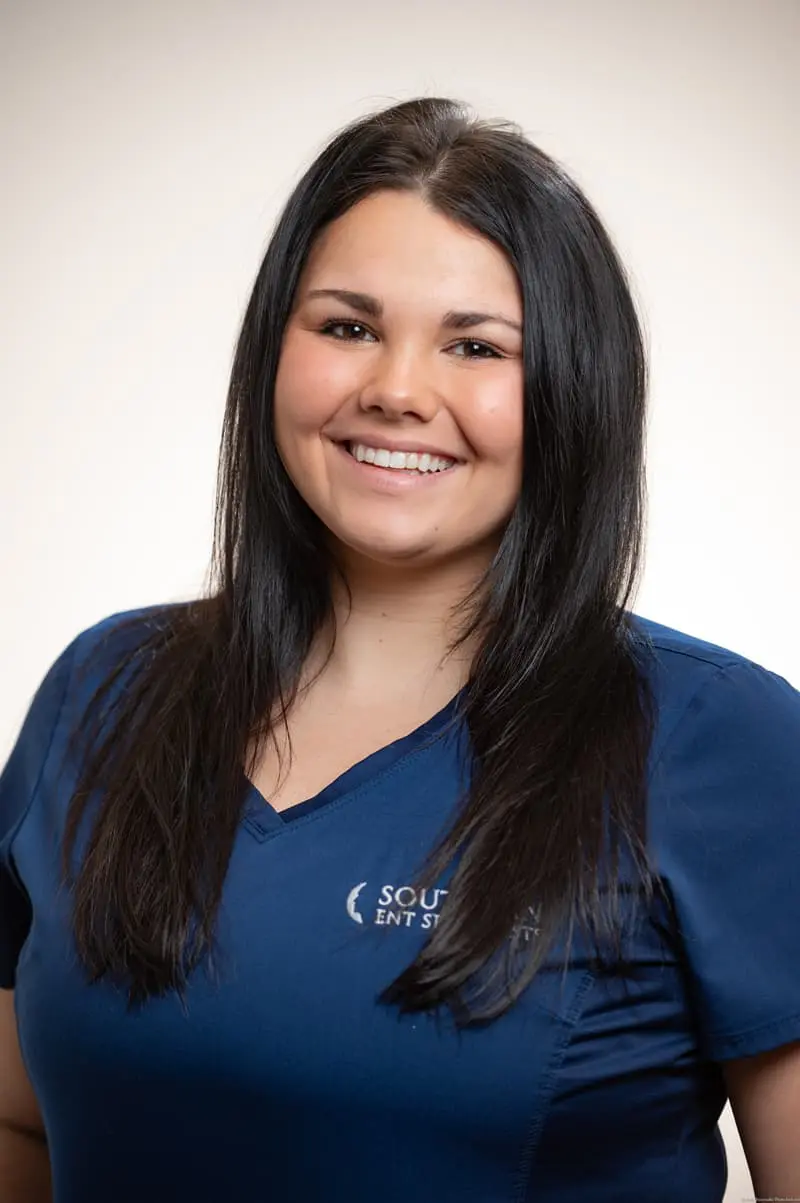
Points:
[725,827]
[18,784]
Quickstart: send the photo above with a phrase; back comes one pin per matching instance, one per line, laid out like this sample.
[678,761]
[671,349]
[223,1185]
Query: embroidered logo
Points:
[404,906]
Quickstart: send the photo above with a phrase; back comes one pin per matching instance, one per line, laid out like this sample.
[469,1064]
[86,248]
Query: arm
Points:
[24,1160]
[764,1093]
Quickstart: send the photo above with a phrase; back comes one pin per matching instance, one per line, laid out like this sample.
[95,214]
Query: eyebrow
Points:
[361,302]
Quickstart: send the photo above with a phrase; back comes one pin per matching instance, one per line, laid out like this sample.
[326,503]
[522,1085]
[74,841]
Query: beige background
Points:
[145,149]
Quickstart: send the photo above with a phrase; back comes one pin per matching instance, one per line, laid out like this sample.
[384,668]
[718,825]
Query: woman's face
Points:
[404,354]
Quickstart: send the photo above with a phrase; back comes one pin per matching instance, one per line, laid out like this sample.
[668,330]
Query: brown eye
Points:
[346,331]
[475,349]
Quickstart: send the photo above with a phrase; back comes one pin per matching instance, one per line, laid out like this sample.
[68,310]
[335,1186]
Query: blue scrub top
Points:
[286,1081]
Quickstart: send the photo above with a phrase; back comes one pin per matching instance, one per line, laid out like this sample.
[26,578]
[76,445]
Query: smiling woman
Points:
[404,383]
[410,834]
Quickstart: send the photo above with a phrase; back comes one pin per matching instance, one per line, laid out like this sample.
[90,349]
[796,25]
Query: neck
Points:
[395,630]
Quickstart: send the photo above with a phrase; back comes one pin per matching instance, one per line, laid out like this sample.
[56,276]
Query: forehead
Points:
[396,244]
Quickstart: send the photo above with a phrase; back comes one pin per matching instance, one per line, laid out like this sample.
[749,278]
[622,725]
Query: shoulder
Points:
[99,648]
[723,833]
[60,700]
[707,695]
[680,657]
[101,642]
[724,775]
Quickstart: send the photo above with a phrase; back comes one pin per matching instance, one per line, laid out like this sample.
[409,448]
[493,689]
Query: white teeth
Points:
[403,460]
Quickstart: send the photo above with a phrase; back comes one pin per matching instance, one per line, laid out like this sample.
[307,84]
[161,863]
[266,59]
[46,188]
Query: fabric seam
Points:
[691,706]
[737,1037]
[734,660]
[536,1127]
[284,829]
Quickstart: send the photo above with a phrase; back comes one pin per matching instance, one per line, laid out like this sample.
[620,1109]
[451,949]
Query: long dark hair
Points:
[558,707]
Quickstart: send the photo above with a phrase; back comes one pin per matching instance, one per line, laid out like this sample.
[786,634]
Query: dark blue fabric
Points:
[283,1080]
[363,771]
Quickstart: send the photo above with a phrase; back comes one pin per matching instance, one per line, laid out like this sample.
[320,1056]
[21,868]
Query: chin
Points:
[391,551]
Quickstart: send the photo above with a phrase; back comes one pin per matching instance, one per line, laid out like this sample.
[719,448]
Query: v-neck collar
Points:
[261,819]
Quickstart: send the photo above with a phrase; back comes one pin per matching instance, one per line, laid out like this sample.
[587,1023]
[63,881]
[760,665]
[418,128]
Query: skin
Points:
[764,1093]
[401,372]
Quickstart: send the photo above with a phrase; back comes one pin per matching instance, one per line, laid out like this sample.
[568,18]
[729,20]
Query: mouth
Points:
[418,464]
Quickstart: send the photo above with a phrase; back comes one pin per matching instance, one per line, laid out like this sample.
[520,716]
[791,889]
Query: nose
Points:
[399,386]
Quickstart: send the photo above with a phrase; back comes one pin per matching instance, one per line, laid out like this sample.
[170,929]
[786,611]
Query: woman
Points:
[409,861]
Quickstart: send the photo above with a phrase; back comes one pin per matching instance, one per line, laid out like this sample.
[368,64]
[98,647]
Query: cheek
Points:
[311,384]
[493,421]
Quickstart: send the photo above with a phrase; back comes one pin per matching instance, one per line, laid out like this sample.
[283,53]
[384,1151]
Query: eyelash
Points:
[333,324]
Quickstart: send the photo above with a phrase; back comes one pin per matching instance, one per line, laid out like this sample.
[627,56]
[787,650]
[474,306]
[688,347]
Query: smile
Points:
[402,461]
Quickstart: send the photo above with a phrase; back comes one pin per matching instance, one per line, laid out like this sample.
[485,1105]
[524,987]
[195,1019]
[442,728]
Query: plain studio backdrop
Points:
[145,152]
